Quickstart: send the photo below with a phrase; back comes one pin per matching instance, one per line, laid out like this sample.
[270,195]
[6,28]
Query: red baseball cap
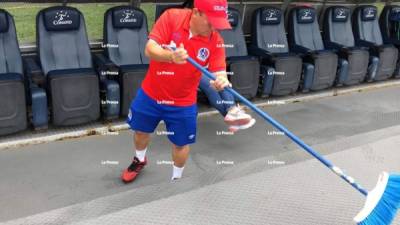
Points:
[216,11]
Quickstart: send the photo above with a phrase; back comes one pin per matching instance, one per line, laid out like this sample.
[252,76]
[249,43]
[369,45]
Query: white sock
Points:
[141,154]
[177,172]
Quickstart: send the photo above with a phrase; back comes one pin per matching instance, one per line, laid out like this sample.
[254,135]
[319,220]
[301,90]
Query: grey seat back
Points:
[10,56]
[337,26]
[268,30]
[338,32]
[304,28]
[13,116]
[62,40]
[389,22]
[268,33]
[366,26]
[234,41]
[246,69]
[125,31]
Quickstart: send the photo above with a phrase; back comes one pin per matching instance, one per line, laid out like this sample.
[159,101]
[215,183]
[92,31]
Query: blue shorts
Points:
[145,113]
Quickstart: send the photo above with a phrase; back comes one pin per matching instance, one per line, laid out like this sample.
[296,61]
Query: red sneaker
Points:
[133,170]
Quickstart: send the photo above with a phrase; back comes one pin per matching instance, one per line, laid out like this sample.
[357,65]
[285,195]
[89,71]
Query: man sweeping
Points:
[169,90]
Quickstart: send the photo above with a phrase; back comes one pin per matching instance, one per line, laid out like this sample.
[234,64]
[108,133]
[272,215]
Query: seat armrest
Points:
[110,99]
[263,55]
[105,66]
[233,59]
[358,48]
[34,72]
[316,53]
[241,58]
[259,52]
[381,48]
[341,50]
[39,107]
[349,50]
[102,60]
[387,46]
[303,51]
[396,45]
[365,43]
[371,46]
[335,46]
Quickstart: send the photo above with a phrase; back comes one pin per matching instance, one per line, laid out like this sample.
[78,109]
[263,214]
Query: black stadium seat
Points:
[367,33]
[338,36]
[244,70]
[390,27]
[13,116]
[305,38]
[71,81]
[16,89]
[281,70]
[125,31]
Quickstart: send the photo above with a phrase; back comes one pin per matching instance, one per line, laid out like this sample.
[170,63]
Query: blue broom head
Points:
[382,202]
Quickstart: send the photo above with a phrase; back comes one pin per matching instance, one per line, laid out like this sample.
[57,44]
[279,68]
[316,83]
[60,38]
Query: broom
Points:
[382,202]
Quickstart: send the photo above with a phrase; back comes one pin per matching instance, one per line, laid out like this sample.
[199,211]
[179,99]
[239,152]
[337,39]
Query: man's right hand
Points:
[180,55]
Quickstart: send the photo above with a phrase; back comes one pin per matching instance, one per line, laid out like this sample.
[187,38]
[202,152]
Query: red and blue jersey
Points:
[174,84]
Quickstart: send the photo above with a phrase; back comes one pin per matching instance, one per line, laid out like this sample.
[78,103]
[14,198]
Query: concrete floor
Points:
[66,175]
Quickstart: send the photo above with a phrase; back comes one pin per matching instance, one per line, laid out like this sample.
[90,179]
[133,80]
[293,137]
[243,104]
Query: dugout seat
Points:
[243,70]
[338,36]
[320,64]
[65,58]
[281,70]
[367,33]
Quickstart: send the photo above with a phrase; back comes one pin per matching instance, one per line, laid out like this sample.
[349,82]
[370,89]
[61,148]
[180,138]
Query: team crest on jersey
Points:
[203,54]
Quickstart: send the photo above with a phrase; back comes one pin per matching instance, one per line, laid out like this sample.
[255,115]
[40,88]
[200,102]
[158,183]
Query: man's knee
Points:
[140,134]
[180,148]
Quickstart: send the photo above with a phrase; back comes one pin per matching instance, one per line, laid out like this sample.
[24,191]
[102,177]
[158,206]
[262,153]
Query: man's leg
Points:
[229,100]
[224,102]
[212,95]
[181,123]
[143,123]
[141,141]
[179,156]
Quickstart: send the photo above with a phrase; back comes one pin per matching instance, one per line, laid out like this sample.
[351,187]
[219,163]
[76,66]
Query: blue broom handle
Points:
[276,124]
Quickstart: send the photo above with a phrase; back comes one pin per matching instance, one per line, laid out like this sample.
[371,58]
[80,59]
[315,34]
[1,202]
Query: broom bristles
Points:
[382,202]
